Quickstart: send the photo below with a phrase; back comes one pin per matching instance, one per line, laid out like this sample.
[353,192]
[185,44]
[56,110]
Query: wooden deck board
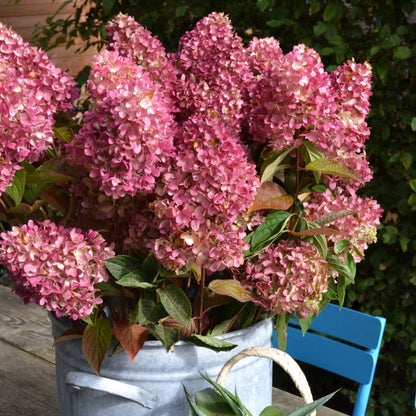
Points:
[27,369]
[27,384]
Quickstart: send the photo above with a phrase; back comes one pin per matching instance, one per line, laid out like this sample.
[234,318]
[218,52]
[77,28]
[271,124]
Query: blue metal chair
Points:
[343,341]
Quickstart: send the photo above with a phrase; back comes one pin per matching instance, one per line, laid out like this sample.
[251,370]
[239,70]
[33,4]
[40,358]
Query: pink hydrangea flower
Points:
[128,133]
[293,93]
[286,278]
[352,85]
[263,54]
[32,90]
[56,267]
[213,70]
[359,229]
[201,199]
[133,41]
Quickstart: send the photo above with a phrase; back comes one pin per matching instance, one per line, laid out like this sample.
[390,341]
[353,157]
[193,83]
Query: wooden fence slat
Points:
[23,18]
[31,7]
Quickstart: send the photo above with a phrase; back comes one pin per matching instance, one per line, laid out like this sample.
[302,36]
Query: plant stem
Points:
[257,315]
[297,171]
[201,300]
[235,318]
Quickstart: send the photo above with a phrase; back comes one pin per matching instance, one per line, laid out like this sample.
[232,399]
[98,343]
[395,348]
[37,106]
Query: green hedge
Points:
[382,33]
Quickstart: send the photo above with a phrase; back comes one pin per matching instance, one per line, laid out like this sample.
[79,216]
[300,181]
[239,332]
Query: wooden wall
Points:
[27,13]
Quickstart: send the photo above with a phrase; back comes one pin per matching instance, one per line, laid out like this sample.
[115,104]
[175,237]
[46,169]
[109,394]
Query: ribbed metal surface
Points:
[161,374]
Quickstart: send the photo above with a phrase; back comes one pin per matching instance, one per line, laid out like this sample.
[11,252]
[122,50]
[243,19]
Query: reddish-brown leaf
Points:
[72,333]
[318,231]
[131,336]
[56,201]
[96,342]
[270,195]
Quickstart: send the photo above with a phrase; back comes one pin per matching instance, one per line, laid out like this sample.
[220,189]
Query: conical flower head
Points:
[203,197]
[32,90]
[213,70]
[128,133]
[131,40]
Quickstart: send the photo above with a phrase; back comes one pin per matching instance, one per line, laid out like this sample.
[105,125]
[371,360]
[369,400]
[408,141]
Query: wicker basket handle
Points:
[279,357]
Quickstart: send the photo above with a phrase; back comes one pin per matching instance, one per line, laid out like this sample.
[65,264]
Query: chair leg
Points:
[361,402]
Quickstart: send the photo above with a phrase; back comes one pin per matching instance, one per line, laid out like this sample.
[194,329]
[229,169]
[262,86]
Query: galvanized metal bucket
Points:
[152,384]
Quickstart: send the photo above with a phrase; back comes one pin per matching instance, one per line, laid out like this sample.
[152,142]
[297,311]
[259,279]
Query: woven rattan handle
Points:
[279,357]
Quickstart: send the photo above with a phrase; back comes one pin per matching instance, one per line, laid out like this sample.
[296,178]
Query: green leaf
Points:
[176,304]
[310,153]
[281,324]
[167,335]
[121,265]
[332,12]
[319,28]
[412,199]
[150,267]
[272,164]
[341,289]
[382,68]
[402,52]
[271,228]
[63,133]
[319,240]
[385,32]
[263,5]
[221,328]
[407,159]
[43,175]
[315,7]
[211,403]
[413,124]
[194,408]
[108,5]
[181,11]
[345,270]
[271,411]
[212,343]
[17,188]
[233,400]
[147,311]
[350,263]
[332,167]
[305,323]
[96,342]
[341,245]
[310,407]
[404,242]
[107,289]
[136,279]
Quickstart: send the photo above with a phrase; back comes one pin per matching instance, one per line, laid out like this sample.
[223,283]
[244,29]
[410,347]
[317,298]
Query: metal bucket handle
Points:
[279,357]
[79,380]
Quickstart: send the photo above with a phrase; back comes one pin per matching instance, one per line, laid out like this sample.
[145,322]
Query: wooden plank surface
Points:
[27,384]
[27,369]
[25,327]
[31,7]
[286,402]
[23,18]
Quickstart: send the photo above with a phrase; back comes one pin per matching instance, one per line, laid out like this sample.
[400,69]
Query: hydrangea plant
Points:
[199,192]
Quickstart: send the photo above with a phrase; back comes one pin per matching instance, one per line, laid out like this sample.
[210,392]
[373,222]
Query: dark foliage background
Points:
[382,32]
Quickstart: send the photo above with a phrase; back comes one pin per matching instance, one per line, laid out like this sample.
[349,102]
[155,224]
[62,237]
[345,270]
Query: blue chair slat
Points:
[355,360]
[330,355]
[349,325]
